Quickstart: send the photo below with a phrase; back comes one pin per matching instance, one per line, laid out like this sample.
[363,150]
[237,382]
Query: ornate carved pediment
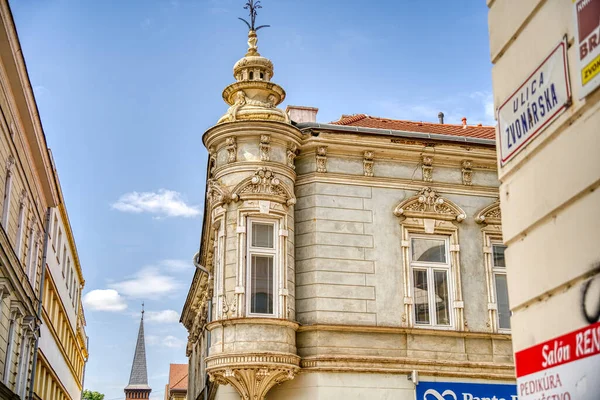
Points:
[263,185]
[217,194]
[490,215]
[428,204]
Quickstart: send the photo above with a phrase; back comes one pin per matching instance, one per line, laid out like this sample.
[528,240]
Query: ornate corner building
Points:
[344,260]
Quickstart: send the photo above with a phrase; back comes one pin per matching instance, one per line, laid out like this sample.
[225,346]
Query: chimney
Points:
[301,114]
[464,121]
[441,117]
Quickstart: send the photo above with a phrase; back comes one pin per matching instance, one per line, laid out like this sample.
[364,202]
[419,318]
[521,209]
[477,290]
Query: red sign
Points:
[564,349]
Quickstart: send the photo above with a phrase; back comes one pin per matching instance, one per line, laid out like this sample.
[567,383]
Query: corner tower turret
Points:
[248,234]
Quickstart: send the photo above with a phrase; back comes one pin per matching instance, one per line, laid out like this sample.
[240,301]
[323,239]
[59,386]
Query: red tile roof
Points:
[178,377]
[366,121]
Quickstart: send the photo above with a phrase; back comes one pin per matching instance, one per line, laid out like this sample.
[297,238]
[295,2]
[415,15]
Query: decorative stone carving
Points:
[229,308]
[252,375]
[23,198]
[265,146]
[368,163]
[212,163]
[428,204]
[10,163]
[427,167]
[490,215]
[264,185]
[291,155]
[216,194]
[322,159]
[231,149]
[467,172]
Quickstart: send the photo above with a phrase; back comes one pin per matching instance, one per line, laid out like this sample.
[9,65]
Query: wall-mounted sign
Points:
[535,104]
[465,391]
[562,368]
[587,39]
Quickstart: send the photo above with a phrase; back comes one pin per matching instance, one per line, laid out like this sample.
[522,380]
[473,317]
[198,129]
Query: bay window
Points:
[430,274]
[261,267]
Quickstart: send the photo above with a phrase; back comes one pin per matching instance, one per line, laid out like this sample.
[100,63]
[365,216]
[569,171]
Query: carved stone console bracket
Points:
[263,185]
[265,146]
[368,163]
[322,159]
[467,172]
[427,164]
[291,155]
[428,204]
[252,375]
[231,149]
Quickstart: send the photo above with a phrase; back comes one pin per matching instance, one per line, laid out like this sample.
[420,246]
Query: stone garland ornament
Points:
[322,159]
[368,163]
[467,172]
[265,146]
[231,149]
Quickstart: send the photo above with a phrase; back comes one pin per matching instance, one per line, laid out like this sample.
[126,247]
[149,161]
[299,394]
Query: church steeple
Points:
[138,380]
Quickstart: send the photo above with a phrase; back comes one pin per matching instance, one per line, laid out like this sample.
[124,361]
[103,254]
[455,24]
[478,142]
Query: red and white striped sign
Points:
[564,368]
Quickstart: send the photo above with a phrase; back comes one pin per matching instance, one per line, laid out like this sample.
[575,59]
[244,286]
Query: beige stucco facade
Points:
[325,220]
[549,198]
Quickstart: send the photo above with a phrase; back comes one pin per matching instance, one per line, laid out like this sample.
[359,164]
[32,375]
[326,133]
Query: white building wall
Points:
[51,351]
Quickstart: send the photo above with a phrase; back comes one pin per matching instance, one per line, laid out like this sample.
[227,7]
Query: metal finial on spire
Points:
[253,6]
[142,310]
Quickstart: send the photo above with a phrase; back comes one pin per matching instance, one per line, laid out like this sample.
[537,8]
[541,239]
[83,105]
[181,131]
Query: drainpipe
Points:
[208,320]
[87,346]
[39,312]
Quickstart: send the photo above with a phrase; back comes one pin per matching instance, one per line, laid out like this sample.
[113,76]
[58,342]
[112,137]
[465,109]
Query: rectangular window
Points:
[58,245]
[500,286]
[20,230]
[6,204]
[262,257]
[430,276]
[55,234]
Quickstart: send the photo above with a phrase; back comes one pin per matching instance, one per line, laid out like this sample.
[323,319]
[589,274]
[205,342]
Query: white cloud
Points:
[162,317]
[148,282]
[177,265]
[164,203]
[104,300]
[165,341]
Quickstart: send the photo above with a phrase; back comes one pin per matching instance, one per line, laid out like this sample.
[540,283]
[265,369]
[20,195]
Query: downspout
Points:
[208,319]
[87,345]
[39,313]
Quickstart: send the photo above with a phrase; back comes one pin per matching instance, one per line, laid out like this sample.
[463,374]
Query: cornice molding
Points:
[404,365]
[395,183]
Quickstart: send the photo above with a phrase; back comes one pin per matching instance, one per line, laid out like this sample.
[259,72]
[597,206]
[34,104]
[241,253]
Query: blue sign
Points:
[465,391]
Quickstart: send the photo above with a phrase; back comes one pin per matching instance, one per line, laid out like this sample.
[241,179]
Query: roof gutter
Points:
[305,126]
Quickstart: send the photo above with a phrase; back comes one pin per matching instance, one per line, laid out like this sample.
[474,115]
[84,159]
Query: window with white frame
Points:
[20,230]
[261,267]
[430,274]
[500,287]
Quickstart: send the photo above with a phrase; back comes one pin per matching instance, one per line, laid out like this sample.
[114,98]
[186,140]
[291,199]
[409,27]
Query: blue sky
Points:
[126,89]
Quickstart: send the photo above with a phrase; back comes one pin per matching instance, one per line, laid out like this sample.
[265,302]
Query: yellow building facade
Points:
[43,344]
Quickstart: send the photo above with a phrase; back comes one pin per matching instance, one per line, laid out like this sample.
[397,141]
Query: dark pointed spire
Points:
[138,380]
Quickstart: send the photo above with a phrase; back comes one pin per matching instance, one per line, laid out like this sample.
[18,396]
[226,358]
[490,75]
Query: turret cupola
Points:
[253,96]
